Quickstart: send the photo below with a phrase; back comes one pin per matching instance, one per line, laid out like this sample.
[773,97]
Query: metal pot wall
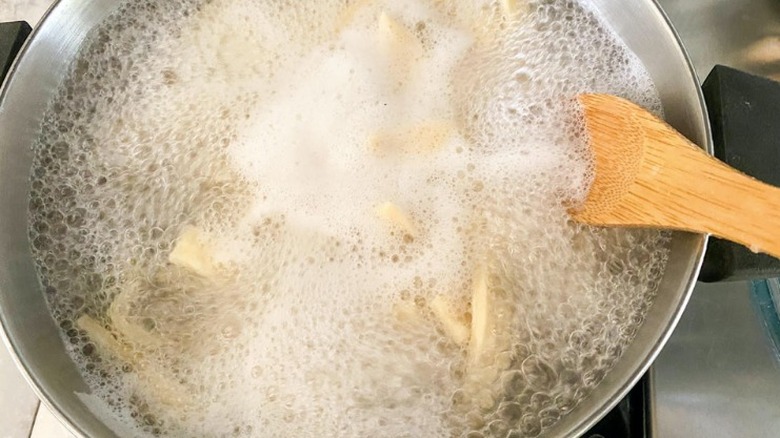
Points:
[33,337]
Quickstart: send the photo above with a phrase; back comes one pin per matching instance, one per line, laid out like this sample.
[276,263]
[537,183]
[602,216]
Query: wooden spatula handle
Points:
[722,201]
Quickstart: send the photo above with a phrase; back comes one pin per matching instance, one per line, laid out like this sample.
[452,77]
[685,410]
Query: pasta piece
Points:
[166,391]
[483,23]
[346,16]
[103,339]
[426,137]
[395,35]
[241,48]
[393,214]
[407,313]
[453,326]
[512,8]
[490,338]
[117,312]
[482,342]
[398,44]
[190,252]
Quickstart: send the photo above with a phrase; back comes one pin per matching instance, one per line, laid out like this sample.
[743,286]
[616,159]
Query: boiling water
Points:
[342,171]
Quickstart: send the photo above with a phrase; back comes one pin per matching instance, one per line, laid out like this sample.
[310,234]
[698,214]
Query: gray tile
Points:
[27,10]
[47,426]
[17,401]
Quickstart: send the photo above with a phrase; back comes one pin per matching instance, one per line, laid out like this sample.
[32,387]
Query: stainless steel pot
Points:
[33,337]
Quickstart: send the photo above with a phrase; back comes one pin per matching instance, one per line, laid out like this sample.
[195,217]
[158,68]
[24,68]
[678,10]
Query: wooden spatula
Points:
[647,174]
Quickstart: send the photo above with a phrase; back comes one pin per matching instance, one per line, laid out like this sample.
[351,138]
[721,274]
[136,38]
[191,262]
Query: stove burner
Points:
[630,418]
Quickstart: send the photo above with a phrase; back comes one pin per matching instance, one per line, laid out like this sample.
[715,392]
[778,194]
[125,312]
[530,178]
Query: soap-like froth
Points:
[346,165]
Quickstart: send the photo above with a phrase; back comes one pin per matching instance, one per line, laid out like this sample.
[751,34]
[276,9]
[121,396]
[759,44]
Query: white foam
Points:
[262,124]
